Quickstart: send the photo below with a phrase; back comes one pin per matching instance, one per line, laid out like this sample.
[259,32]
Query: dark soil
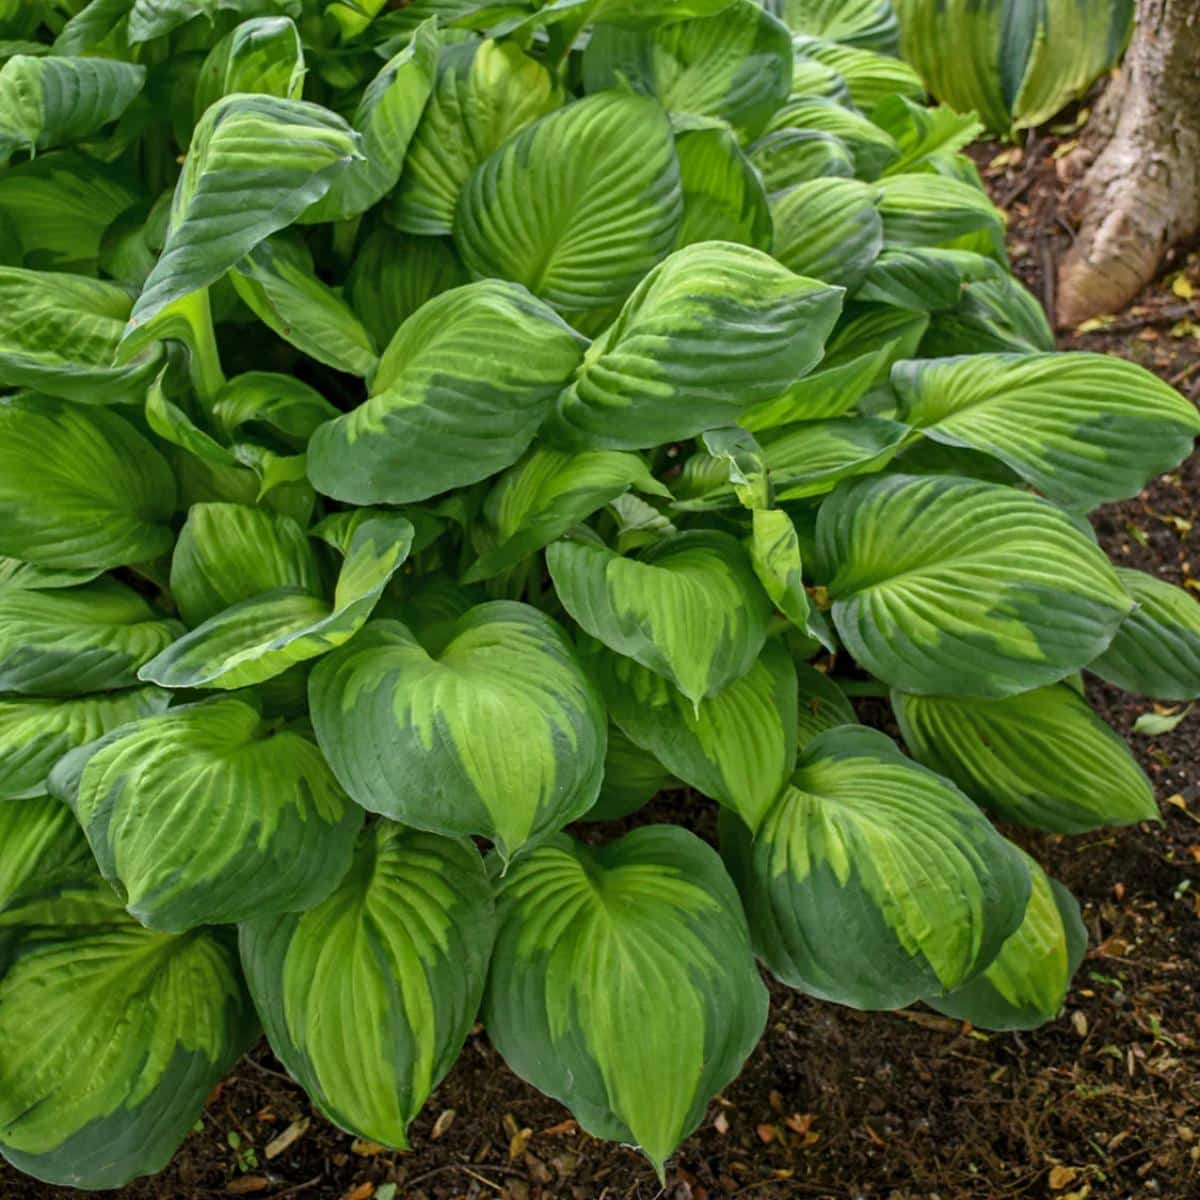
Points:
[1104,1102]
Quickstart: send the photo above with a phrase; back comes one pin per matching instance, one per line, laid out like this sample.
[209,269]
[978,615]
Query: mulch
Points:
[1104,1102]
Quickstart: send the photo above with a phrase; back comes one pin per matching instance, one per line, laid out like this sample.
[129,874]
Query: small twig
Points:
[468,1167]
[300,1187]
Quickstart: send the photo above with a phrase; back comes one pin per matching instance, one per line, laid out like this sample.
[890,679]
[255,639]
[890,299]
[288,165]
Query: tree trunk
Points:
[1142,194]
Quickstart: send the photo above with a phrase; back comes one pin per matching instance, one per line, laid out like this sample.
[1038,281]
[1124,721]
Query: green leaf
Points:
[921,133]
[36,733]
[368,998]
[1155,724]
[689,607]
[932,210]
[209,814]
[1042,758]
[775,554]
[921,279]
[606,172]
[459,394]
[77,640]
[264,54]
[546,493]
[386,117]
[789,157]
[736,66]
[500,732]
[104,494]
[485,93]
[873,882]
[632,777]
[998,314]
[622,983]
[59,333]
[828,229]
[263,636]
[1027,982]
[1157,648]
[163,1019]
[737,747]
[39,840]
[1084,429]
[823,705]
[228,553]
[945,585]
[172,424]
[711,330]
[393,274]
[872,148]
[870,77]
[868,23]
[723,195]
[255,164]
[809,458]
[279,406]
[149,19]
[277,283]
[55,100]
[16,574]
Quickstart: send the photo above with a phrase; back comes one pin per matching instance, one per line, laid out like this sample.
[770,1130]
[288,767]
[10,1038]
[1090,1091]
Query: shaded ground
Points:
[1104,1102]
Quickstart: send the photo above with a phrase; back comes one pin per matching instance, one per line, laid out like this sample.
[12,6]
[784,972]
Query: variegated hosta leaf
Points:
[547,493]
[921,133]
[870,77]
[35,732]
[104,493]
[776,556]
[114,1035]
[723,195]
[829,229]
[932,210]
[368,998]
[54,100]
[873,882]
[808,458]
[1084,429]
[16,574]
[39,840]
[823,705]
[286,408]
[59,333]
[873,149]
[868,23]
[738,746]
[497,733]
[923,279]
[623,984]
[736,65]
[1027,982]
[459,394]
[1042,758]
[386,118]
[208,815]
[610,204]
[811,78]
[952,586]
[228,553]
[789,157]
[393,274]
[485,93]
[711,330]
[255,164]
[994,315]
[77,640]
[259,638]
[1157,648]
[689,607]
[277,283]
[149,19]
[262,54]
[632,778]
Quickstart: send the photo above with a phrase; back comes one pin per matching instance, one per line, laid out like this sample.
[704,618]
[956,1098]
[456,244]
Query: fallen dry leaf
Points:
[364,1191]
[721,1123]
[767,1134]
[516,1146]
[563,1127]
[365,1148]
[289,1137]
[1062,1177]
[444,1121]
[248,1184]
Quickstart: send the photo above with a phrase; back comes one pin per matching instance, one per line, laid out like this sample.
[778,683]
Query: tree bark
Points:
[1141,195]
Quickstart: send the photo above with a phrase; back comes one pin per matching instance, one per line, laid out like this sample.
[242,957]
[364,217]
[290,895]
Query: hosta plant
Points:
[429,432]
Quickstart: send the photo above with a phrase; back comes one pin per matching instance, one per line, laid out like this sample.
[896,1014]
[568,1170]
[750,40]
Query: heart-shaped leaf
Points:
[1027,982]
[208,815]
[1042,758]
[77,640]
[711,330]
[1084,429]
[459,394]
[609,207]
[951,586]
[368,998]
[723,195]
[873,882]
[164,1018]
[738,746]
[828,229]
[689,607]
[499,732]
[622,982]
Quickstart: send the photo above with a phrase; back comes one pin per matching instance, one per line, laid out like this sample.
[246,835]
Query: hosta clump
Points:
[428,430]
